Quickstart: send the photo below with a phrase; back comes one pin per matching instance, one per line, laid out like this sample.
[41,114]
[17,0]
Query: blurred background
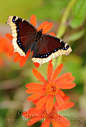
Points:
[69,23]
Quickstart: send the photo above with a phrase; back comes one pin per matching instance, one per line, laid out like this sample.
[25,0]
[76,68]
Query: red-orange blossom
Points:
[53,117]
[50,89]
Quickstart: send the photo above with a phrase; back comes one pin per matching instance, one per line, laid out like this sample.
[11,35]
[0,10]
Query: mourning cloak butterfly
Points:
[44,46]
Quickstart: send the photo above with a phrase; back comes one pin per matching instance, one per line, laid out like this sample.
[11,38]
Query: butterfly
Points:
[44,46]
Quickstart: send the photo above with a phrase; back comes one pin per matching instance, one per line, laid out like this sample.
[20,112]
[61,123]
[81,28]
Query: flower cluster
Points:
[49,97]
[53,117]
[5,49]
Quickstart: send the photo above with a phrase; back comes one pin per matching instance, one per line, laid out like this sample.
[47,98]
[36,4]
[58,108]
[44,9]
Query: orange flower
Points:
[50,89]
[46,26]
[5,45]
[5,49]
[53,117]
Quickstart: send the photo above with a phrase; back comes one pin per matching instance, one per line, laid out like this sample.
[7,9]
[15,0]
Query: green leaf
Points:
[75,36]
[78,13]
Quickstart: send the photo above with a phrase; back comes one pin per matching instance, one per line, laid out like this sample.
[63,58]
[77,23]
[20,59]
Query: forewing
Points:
[23,33]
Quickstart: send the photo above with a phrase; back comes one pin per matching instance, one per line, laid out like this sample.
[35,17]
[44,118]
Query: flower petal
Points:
[49,103]
[41,102]
[63,120]
[35,85]
[36,64]
[9,36]
[67,86]
[60,100]
[66,80]
[29,113]
[32,90]
[49,71]
[63,76]
[51,33]
[33,20]
[36,96]
[47,27]
[17,57]
[50,61]
[36,101]
[13,53]
[55,124]
[61,93]
[66,98]
[57,71]
[24,59]
[45,123]
[34,120]
[59,120]
[39,76]
[67,106]
[42,25]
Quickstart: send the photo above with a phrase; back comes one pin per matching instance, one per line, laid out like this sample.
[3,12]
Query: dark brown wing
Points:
[23,33]
[50,47]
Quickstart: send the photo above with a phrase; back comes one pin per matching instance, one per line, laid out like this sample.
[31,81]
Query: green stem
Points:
[62,27]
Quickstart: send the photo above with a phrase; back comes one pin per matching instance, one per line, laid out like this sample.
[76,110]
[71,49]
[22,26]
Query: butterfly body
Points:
[37,39]
[38,35]
[44,46]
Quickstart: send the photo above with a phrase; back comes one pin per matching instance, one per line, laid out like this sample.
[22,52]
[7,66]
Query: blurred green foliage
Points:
[13,78]
[43,9]
[78,13]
